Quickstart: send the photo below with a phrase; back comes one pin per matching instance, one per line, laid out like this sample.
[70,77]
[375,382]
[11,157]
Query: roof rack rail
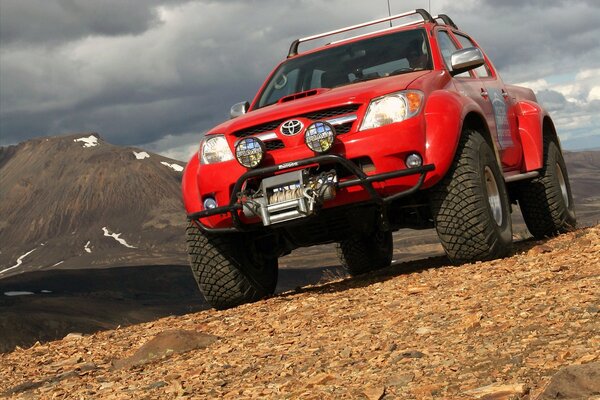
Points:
[447,20]
[423,13]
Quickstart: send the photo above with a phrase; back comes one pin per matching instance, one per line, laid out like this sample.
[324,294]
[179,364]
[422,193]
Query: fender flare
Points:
[445,114]
[530,117]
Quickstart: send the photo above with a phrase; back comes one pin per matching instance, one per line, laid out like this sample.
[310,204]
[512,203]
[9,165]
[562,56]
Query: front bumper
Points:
[366,181]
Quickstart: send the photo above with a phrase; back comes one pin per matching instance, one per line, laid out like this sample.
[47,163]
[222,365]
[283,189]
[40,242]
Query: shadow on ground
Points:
[89,300]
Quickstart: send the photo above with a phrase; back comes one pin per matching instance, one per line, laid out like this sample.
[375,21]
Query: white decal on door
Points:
[501,117]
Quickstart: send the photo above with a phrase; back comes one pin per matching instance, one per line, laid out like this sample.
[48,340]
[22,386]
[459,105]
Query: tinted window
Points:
[373,58]
[447,47]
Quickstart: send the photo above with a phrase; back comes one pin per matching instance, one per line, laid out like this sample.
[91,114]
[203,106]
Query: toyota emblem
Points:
[291,127]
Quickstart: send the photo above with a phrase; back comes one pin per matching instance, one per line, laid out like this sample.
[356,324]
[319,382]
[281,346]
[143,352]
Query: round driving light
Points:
[319,136]
[414,160]
[249,152]
[210,203]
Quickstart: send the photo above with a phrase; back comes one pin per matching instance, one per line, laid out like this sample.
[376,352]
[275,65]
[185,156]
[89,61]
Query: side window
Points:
[448,47]
[481,72]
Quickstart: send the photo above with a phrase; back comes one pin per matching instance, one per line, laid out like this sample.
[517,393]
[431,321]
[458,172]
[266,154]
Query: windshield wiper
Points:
[402,71]
[366,78]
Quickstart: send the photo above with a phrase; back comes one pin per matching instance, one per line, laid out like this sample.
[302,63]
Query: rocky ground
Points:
[420,329]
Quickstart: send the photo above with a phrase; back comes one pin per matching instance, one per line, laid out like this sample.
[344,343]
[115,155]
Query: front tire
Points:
[363,254]
[546,202]
[229,269]
[470,206]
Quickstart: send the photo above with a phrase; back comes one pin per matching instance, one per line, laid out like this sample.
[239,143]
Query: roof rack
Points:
[447,20]
[424,14]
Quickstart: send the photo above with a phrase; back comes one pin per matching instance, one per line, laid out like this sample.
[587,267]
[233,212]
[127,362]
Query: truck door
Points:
[505,130]
[466,83]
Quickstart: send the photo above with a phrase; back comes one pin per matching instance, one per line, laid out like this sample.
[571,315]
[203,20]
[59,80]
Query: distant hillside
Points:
[78,201]
[584,174]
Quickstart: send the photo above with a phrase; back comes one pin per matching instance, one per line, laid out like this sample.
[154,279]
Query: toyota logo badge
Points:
[291,127]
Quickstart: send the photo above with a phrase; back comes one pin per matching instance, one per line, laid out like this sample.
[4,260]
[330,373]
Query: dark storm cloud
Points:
[137,72]
[51,22]
[175,78]
[530,39]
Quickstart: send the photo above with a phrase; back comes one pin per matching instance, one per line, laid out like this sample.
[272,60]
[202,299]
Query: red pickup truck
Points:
[405,127]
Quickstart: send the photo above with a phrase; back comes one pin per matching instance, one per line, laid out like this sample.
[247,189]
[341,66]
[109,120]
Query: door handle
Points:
[484,93]
[504,93]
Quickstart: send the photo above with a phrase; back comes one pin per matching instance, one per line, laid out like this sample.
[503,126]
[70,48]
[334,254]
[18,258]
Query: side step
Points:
[520,177]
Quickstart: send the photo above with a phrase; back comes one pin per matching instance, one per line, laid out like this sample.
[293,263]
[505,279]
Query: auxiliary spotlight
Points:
[319,136]
[249,152]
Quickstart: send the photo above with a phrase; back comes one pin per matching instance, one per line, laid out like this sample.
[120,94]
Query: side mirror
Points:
[466,60]
[239,109]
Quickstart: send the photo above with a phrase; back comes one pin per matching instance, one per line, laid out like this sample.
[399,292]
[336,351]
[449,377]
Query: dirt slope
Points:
[422,329]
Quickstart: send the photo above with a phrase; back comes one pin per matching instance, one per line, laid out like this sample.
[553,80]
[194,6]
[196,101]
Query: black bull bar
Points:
[361,179]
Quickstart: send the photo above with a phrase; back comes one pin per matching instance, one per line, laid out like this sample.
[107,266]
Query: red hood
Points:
[358,93]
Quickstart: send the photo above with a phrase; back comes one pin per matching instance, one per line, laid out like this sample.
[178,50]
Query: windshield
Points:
[367,59]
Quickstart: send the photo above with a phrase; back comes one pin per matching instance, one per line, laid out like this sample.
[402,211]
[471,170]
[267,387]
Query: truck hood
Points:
[358,93]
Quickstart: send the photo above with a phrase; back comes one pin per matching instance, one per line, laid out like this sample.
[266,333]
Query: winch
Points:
[289,196]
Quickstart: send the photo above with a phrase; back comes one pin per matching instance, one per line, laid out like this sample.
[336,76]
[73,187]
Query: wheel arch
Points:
[476,121]
[549,131]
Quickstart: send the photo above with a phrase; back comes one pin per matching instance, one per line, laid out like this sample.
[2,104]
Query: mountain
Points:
[77,201]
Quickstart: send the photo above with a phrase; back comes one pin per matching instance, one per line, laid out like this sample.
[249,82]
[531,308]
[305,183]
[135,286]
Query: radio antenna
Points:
[389,12]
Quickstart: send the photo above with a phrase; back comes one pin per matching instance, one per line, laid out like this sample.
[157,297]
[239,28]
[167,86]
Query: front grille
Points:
[255,130]
[274,144]
[331,112]
[315,116]
[344,128]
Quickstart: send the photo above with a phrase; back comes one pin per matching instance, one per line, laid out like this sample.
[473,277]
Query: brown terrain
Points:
[57,195]
[417,330]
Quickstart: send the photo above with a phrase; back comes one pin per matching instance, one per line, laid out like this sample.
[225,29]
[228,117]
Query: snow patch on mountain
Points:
[141,155]
[18,293]
[173,166]
[19,262]
[117,237]
[87,247]
[89,141]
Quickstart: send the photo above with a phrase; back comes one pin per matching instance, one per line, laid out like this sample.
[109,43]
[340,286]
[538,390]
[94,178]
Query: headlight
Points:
[391,108]
[319,136]
[214,149]
[249,152]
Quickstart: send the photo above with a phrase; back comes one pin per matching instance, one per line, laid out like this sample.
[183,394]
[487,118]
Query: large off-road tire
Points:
[546,202]
[229,269]
[470,205]
[362,254]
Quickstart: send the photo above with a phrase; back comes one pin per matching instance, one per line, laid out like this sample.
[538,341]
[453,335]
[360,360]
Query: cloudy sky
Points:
[158,73]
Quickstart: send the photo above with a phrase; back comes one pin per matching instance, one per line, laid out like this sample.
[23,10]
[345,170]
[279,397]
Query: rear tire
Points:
[363,254]
[228,268]
[470,206]
[546,202]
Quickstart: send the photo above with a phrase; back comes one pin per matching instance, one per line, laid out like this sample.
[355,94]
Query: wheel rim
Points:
[493,195]
[563,184]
